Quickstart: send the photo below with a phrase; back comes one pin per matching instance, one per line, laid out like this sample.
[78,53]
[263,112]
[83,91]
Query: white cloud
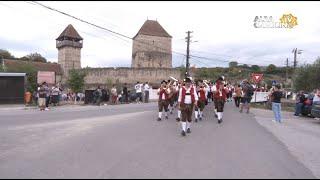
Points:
[224,28]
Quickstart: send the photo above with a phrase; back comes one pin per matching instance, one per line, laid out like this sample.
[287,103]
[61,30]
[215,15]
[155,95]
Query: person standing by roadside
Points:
[300,98]
[248,92]
[55,95]
[42,97]
[237,97]
[98,96]
[317,96]
[146,88]
[114,94]
[138,88]
[48,95]
[276,96]
[125,93]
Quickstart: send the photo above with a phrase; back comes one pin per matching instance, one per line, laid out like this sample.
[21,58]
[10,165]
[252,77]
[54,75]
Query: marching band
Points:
[189,96]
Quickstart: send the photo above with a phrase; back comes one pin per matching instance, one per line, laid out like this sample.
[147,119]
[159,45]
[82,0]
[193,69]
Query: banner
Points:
[46,76]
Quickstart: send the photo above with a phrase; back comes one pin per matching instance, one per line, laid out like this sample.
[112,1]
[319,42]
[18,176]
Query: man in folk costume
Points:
[219,82]
[210,93]
[171,96]
[220,99]
[201,103]
[163,102]
[187,100]
[180,85]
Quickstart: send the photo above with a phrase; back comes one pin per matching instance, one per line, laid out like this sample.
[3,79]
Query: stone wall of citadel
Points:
[100,76]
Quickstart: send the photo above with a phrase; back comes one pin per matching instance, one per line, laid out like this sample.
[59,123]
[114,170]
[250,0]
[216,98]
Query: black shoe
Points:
[167,117]
[196,120]
[159,119]
[219,121]
[183,133]
[200,119]
[177,119]
[171,112]
[188,130]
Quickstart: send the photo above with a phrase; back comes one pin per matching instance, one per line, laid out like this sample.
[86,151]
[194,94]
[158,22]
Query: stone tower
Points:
[152,47]
[69,45]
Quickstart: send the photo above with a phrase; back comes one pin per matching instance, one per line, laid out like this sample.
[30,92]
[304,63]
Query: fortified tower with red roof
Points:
[152,47]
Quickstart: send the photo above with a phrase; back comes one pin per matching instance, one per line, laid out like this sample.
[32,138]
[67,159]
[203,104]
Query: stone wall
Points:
[151,51]
[100,76]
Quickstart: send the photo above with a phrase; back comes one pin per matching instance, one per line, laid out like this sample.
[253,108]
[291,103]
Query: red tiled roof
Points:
[69,32]
[153,28]
[16,65]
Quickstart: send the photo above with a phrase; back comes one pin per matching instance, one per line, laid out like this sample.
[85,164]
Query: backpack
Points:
[250,90]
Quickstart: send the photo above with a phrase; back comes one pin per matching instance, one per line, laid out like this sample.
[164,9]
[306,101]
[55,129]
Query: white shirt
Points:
[146,87]
[187,99]
[316,98]
[214,88]
[138,88]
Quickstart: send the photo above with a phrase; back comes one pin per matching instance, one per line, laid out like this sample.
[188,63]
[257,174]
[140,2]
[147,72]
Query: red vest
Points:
[184,91]
[202,96]
[224,94]
[165,94]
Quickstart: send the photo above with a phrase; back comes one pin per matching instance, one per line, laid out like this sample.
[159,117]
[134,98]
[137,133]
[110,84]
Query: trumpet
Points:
[174,79]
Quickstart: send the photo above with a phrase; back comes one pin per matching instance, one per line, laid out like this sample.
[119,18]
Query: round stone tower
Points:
[69,45]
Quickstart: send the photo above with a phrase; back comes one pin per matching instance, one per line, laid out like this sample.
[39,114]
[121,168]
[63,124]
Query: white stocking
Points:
[179,114]
[160,114]
[188,125]
[219,115]
[196,114]
[184,126]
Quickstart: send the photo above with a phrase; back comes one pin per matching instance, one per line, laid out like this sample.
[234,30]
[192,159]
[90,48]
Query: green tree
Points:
[307,77]
[255,68]
[233,64]
[36,57]
[4,54]
[271,68]
[76,80]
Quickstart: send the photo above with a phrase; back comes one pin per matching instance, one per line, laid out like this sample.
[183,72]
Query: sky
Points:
[222,31]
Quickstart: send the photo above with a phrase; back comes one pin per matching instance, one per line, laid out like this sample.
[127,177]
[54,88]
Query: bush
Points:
[76,80]
[307,77]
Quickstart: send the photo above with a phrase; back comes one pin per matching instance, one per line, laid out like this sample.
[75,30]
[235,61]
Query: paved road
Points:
[127,142]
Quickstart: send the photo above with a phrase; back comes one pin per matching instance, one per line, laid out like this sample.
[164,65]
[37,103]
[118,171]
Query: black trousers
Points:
[47,101]
[237,101]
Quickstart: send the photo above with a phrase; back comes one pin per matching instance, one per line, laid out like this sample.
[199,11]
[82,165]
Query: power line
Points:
[116,34]
[84,21]
[215,54]
[97,26]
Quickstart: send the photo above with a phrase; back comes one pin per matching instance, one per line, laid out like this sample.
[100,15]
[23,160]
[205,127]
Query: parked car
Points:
[315,111]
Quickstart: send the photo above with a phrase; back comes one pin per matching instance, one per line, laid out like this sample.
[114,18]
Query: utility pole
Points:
[188,54]
[294,58]
[295,51]
[287,69]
